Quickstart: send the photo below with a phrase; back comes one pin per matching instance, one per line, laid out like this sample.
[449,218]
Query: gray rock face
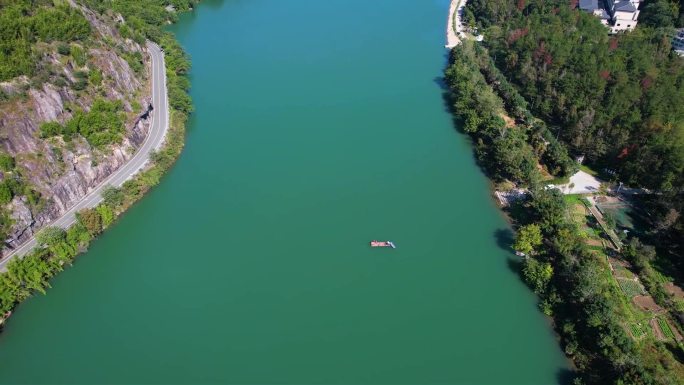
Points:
[65,172]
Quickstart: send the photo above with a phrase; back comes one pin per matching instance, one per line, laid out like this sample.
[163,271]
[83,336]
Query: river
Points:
[319,126]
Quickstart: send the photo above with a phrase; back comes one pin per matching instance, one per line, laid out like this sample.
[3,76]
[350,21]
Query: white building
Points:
[617,15]
[624,14]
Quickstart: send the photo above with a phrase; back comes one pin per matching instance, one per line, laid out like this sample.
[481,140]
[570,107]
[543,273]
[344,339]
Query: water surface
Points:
[319,126]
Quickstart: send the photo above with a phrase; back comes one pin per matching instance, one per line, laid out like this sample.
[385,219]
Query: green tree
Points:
[537,274]
[659,14]
[548,207]
[77,235]
[638,253]
[527,239]
[113,197]
[106,214]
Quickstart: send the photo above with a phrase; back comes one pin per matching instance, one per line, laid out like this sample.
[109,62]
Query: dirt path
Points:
[656,329]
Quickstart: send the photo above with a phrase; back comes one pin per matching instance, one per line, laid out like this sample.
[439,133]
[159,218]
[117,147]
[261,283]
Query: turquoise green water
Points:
[319,126]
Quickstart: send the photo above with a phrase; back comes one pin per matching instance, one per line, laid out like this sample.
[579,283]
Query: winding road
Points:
[153,141]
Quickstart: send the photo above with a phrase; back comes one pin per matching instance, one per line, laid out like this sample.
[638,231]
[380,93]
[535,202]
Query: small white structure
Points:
[678,42]
[592,6]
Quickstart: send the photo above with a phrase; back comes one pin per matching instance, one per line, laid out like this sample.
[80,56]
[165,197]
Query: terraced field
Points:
[631,288]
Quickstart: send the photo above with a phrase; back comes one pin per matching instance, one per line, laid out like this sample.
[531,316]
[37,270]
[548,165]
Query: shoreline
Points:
[452,38]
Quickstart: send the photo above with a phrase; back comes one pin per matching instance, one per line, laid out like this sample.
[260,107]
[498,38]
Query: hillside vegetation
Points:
[618,100]
[23,23]
[101,125]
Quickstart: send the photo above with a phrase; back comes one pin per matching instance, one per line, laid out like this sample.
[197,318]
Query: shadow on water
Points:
[565,376]
[504,238]
[441,82]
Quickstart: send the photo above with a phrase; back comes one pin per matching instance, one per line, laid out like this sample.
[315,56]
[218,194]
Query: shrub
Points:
[50,236]
[106,214]
[6,162]
[5,193]
[78,54]
[49,129]
[63,49]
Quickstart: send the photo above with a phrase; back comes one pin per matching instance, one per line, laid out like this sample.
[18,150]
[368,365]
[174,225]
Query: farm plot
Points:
[638,330]
[665,327]
[630,287]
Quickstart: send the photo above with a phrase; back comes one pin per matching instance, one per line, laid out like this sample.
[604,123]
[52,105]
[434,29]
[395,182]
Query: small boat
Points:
[382,244]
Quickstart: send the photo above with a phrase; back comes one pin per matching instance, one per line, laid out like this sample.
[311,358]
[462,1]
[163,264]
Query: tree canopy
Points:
[619,99]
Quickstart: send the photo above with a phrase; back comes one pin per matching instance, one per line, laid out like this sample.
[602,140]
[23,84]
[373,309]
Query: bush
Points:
[49,129]
[6,162]
[50,236]
[78,54]
[79,84]
[95,77]
[25,22]
[64,49]
[5,193]
[102,125]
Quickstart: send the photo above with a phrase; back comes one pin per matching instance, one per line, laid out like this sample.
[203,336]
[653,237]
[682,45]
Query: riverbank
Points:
[553,232]
[454,23]
[58,246]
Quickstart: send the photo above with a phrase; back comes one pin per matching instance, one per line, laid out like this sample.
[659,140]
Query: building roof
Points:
[588,5]
[625,6]
[604,15]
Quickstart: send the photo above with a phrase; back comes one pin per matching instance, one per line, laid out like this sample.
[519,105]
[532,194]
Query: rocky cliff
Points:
[63,170]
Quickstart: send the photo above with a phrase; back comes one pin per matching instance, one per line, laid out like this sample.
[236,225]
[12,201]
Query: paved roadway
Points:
[153,141]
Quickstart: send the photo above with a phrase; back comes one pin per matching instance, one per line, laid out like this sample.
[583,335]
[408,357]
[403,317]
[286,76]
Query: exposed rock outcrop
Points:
[65,172]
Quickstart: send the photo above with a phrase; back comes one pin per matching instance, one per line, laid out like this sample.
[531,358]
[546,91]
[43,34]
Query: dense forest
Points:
[662,13]
[618,100]
[100,125]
